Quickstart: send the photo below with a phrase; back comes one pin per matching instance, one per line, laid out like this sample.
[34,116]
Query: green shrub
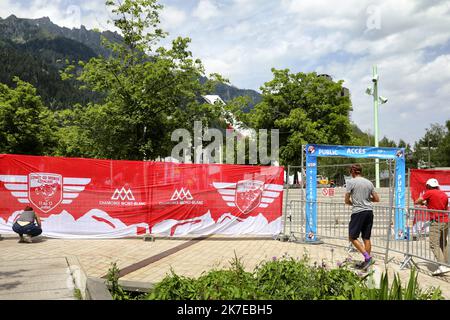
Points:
[235,283]
[112,281]
[174,287]
[396,291]
[287,279]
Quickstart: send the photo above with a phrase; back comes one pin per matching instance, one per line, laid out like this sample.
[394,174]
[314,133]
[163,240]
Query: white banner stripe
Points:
[445,188]
[77,181]
[227,191]
[267,200]
[20,194]
[23,200]
[270,194]
[70,195]
[16,186]
[66,201]
[228,198]
[221,185]
[263,205]
[73,188]
[231,204]
[11,178]
[274,187]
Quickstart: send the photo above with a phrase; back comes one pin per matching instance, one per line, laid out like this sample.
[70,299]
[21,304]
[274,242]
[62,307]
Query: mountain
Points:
[21,30]
[35,50]
[227,93]
[18,60]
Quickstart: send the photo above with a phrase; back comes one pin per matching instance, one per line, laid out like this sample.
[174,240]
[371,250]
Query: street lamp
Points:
[428,148]
[376,100]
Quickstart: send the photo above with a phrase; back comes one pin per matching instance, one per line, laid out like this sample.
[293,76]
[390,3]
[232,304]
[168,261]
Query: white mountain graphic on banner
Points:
[94,224]
[123,194]
[98,224]
[182,195]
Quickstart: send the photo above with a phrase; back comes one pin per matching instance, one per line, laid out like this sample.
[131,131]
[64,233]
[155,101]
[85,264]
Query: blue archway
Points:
[313,151]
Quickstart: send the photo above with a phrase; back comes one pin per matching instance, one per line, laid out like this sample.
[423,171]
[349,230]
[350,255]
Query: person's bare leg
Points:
[358,245]
[367,246]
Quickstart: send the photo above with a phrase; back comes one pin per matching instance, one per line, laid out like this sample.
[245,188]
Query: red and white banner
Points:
[89,198]
[418,179]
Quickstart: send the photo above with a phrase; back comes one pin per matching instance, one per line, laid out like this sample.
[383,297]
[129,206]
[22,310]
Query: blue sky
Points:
[409,40]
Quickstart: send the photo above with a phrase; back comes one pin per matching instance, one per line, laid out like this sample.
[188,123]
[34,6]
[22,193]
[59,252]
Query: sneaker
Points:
[359,265]
[441,270]
[367,264]
[21,240]
[27,238]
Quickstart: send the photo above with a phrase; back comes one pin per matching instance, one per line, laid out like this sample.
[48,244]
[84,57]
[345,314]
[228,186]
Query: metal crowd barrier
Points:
[428,238]
[333,220]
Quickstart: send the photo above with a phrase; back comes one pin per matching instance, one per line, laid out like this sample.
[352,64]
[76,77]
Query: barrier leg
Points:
[408,262]
[148,237]
[351,248]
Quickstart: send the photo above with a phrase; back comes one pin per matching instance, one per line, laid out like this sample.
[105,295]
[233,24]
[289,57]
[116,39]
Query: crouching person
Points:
[27,225]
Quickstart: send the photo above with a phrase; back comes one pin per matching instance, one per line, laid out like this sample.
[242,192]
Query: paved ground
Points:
[150,261]
[36,279]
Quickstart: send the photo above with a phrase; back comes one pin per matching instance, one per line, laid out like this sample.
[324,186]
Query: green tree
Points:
[429,151]
[305,108]
[388,143]
[149,90]
[26,125]
[444,147]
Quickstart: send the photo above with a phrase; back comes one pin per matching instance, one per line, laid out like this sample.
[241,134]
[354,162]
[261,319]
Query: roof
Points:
[212,98]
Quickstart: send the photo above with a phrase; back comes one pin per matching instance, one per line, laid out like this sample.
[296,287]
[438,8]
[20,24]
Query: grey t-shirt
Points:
[360,190]
[27,216]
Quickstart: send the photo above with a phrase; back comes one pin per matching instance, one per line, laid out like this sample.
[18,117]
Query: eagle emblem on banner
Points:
[247,195]
[44,190]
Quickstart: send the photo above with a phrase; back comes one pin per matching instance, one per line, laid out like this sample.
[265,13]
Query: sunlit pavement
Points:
[150,261]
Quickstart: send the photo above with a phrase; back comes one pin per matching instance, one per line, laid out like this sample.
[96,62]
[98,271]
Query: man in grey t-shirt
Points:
[360,193]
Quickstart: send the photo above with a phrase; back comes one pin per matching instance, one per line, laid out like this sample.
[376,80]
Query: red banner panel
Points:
[89,198]
[418,179]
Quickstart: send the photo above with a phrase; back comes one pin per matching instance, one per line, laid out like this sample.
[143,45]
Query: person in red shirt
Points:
[436,199]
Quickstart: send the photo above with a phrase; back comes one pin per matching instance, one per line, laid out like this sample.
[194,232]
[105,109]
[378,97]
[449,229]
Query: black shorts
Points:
[361,223]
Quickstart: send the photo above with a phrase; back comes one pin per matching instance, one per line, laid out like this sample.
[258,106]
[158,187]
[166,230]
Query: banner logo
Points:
[123,194]
[122,197]
[182,195]
[248,195]
[44,190]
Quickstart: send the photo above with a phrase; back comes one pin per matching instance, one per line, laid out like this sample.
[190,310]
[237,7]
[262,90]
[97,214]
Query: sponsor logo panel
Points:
[44,190]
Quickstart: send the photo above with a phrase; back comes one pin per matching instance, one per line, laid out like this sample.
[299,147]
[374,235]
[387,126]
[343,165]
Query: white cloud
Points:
[70,14]
[172,17]
[206,9]
[414,89]
[243,39]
